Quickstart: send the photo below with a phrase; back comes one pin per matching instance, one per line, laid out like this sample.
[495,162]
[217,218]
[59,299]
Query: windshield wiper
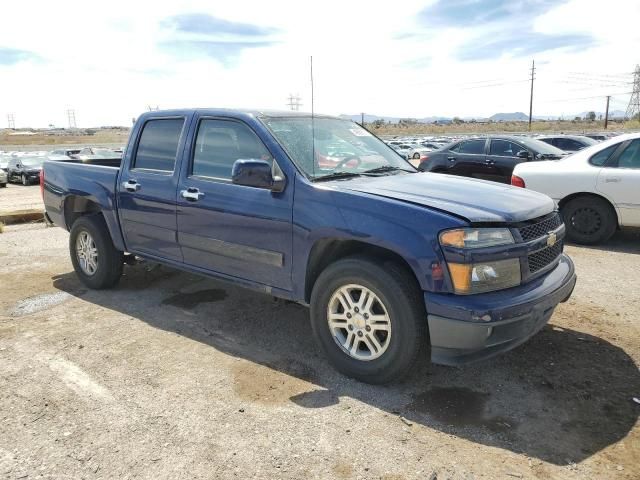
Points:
[336,176]
[387,168]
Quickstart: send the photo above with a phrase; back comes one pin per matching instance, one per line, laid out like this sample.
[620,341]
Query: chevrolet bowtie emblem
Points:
[551,239]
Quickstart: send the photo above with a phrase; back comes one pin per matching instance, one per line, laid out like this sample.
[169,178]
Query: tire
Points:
[589,220]
[25,180]
[399,296]
[105,269]
[3,185]
[416,156]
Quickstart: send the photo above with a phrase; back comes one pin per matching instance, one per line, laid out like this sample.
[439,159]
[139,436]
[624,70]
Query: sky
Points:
[110,61]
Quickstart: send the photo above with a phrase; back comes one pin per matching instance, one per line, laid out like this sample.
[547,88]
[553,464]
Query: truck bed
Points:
[69,181]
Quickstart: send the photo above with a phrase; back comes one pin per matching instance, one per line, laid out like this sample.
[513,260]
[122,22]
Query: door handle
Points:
[488,161]
[612,179]
[131,186]
[191,194]
[451,159]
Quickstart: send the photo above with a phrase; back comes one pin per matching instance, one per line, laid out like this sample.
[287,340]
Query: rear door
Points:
[147,189]
[240,231]
[467,158]
[619,180]
[502,159]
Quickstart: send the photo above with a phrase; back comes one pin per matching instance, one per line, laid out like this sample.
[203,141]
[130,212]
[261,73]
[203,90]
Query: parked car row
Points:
[24,167]
[415,149]
[596,189]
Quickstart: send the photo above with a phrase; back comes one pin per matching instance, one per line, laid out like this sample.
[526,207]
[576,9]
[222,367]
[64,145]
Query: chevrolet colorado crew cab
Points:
[317,210]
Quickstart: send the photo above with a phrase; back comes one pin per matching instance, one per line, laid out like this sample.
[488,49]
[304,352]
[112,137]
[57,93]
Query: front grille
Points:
[544,257]
[540,229]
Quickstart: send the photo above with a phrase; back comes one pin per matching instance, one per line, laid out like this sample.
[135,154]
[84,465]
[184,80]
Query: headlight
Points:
[476,237]
[469,278]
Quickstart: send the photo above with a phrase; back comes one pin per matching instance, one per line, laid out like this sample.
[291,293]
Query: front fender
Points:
[404,229]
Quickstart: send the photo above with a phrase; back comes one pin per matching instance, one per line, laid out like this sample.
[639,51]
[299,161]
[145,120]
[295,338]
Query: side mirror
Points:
[522,154]
[256,173]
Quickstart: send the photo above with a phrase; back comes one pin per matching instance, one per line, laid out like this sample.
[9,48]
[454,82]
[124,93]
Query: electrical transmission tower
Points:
[294,102]
[71,117]
[11,120]
[633,110]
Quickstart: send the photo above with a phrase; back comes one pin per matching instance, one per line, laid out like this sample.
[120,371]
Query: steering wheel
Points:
[346,160]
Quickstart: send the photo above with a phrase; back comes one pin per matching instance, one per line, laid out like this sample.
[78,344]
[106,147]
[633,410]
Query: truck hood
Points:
[473,199]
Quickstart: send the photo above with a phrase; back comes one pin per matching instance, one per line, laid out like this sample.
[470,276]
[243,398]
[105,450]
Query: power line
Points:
[497,84]
[585,98]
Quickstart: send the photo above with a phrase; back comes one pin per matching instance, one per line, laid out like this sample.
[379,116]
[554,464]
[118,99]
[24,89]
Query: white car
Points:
[597,189]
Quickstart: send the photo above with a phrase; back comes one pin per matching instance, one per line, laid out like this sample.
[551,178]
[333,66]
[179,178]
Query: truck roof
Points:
[237,111]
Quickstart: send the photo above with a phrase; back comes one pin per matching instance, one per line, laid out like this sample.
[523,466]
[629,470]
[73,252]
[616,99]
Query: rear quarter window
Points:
[158,145]
[600,158]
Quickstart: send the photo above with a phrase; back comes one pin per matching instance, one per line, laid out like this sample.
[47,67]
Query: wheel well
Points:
[327,251]
[76,207]
[567,199]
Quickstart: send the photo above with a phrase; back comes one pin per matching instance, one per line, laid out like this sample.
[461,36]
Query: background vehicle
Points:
[597,189]
[3,178]
[24,169]
[63,154]
[380,252]
[568,143]
[490,158]
[103,156]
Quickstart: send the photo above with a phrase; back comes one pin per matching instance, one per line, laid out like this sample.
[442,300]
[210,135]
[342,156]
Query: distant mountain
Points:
[373,118]
[612,114]
[498,117]
[509,117]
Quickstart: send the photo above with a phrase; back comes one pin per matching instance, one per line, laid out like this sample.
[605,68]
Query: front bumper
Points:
[465,329]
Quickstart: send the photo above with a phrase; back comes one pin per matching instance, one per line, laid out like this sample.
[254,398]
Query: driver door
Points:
[235,230]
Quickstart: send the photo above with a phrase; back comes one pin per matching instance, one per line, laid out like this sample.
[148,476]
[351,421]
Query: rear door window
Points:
[504,148]
[474,147]
[158,145]
[630,158]
[568,144]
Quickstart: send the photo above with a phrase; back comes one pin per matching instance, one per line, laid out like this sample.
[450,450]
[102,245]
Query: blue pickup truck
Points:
[317,210]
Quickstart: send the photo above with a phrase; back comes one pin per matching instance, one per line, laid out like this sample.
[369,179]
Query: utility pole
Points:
[11,120]
[362,119]
[533,71]
[606,113]
[294,102]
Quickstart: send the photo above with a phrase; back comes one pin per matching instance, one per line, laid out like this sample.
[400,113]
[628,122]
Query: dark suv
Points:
[25,169]
[488,158]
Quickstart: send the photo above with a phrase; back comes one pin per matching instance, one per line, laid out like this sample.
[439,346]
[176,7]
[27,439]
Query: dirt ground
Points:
[174,376]
[18,197]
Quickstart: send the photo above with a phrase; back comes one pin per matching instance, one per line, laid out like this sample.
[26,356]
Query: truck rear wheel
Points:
[368,319]
[96,261]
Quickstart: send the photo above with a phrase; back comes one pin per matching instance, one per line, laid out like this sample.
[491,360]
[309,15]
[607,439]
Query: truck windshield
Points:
[341,147]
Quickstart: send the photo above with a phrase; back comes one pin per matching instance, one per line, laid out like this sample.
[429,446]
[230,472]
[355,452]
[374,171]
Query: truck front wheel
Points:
[369,319]
[96,261]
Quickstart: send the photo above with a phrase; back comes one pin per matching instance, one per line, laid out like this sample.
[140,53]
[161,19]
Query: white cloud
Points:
[106,60]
